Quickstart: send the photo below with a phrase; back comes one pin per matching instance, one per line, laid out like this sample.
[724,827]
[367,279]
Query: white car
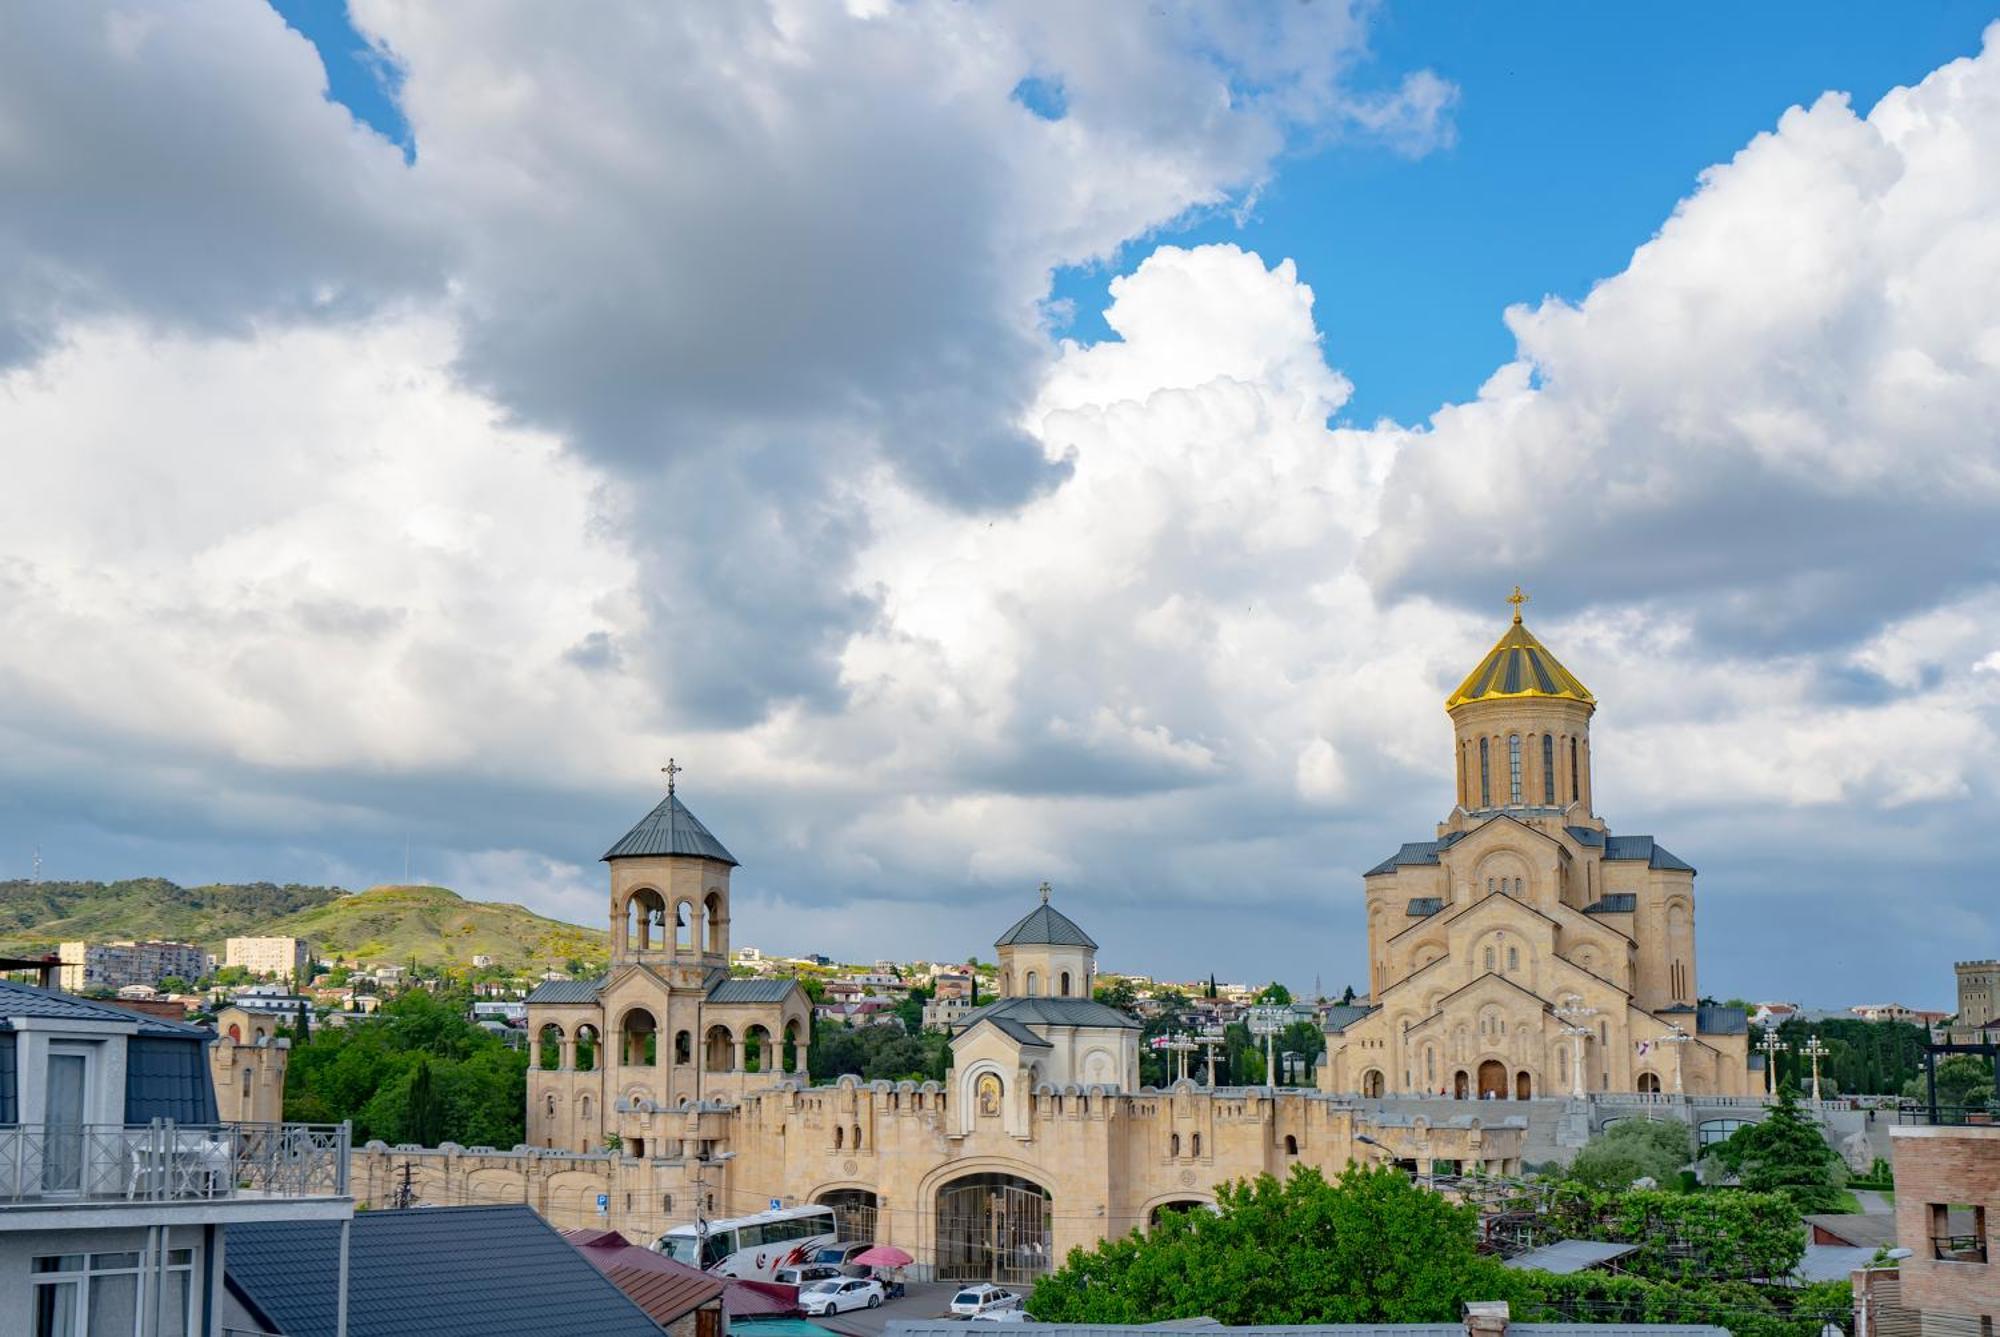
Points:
[834,1297]
[983,1300]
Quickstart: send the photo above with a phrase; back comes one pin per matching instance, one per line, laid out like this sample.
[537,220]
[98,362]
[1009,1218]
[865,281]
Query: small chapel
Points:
[1526,951]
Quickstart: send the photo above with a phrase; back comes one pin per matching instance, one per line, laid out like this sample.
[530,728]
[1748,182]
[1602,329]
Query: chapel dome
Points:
[1519,667]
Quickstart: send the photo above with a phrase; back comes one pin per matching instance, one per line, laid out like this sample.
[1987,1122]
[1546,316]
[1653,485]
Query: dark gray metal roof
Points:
[1045,926]
[1055,1012]
[166,1077]
[566,991]
[1415,852]
[444,1272]
[1342,1015]
[1586,835]
[25,1000]
[1646,848]
[1714,1019]
[1422,907]
[9,1111]
[751,991]
[1016,1031]
[1614,903]
[1565,1257]
[670,829]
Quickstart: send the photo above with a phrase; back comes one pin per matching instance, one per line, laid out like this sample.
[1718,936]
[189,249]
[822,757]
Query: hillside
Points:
[436,927]
[35,916]
[385,924]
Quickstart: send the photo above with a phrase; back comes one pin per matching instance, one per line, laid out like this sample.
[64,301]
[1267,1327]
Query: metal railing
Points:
[164,1161]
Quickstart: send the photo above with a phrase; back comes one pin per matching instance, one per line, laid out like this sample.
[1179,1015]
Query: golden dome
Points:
[1519,667]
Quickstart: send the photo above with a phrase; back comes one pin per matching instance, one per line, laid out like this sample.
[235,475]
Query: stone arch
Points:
[1034,984]
[757,1055]
[1171,1204]
[1649,1083]
[549,1047]
[1063,985]
[589,1043]
[1291,1144]
[684,926]
[1372,1083]
[1493,1080]
[856,1207]
[235,1032]
[638,1038]
[683,1048]
[990,1219]
[715,923]
[643,920]
[1524,1085]
[718,1049]
[789,1058]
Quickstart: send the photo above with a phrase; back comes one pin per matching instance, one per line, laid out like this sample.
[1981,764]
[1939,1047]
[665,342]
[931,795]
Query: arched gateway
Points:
[994,1227]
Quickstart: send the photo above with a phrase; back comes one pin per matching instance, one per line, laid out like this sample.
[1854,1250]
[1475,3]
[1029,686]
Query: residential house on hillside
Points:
[119,1186]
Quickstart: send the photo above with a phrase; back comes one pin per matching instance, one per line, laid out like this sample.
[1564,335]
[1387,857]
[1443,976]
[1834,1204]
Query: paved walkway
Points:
[1873,1203]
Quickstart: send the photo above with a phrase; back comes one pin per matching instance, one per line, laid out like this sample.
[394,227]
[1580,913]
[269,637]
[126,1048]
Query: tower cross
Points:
[670,770]
[1045,893]
[1517,599]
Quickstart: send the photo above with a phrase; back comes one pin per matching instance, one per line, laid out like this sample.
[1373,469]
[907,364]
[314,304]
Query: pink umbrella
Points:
[883,1255]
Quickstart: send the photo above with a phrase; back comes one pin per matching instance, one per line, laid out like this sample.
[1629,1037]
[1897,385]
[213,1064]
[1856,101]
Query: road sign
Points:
[603,1203]
[777,1204]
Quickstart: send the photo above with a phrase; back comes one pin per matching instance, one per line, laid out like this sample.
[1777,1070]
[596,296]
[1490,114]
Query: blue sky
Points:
[627,390]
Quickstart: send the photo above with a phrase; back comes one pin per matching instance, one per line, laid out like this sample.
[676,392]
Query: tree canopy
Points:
[1369,1246]
[1633,1149]
[1786,1153]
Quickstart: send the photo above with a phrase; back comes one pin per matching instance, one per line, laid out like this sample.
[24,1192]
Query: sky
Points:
[994,443]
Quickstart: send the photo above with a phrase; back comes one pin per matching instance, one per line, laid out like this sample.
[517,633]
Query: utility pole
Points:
[1772,1047]
[1815,1051]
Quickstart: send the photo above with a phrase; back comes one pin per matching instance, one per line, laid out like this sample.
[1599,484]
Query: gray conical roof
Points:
[670,829]
[1045,926]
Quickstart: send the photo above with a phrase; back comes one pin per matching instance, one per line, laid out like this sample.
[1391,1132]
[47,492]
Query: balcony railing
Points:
[163,1161]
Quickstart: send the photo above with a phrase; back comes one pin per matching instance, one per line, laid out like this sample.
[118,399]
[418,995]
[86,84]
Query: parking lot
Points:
[926,1300]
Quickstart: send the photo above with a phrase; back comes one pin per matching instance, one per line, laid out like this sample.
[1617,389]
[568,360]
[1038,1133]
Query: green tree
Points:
[1274,994]
[1633,1149]
[1118,993]
[1370,1247]
[1347,996]
[1786,1153]
[1962,1079]
[423,1110]
[910,1010]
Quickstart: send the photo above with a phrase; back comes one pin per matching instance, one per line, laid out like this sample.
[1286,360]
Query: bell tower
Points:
[670,893]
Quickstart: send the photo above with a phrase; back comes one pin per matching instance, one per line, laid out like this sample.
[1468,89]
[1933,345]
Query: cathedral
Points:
[1526,951]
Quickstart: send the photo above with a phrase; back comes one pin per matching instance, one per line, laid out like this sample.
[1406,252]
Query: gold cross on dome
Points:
[670,770]
[1517,599]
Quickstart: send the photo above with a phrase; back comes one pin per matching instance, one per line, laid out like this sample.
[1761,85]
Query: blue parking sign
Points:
[603,1203]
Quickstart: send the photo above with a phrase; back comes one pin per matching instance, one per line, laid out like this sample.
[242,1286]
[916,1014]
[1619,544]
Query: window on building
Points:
[109,1293]
[1549,769]
[1958,1232]
[1065,984]
[1489,958]
[1197,1144]
[1575,789]
[1513,958]
[1485,778]
[1174,1144]
[1514,768]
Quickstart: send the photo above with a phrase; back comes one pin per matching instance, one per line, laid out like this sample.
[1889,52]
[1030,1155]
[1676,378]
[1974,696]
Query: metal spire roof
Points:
[1045,926]
[670,829]
[1517,667]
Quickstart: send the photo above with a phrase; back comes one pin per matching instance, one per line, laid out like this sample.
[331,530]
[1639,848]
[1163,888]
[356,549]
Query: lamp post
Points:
[1208,1040]
[1678,1039]
[1815,1051]
[1267,1022]
[1577,1026]
[1772,1047]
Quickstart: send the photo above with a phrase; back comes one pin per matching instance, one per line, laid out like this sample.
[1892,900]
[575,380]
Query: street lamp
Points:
[1577,1016]
[1815,1051]
[1772,1047]
[1677,1039]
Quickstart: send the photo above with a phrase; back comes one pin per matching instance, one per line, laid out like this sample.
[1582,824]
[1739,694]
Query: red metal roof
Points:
[667,1290]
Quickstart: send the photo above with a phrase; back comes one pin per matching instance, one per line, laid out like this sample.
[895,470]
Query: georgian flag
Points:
[1645,1047]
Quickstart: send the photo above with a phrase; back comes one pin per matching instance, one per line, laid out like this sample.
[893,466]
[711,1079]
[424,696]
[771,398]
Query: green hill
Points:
[35,916]
[384,924]
[438,927]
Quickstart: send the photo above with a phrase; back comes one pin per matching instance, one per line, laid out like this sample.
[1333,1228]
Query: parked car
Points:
[837,1297]
[983,1300]
[806,1275]
[842,1256]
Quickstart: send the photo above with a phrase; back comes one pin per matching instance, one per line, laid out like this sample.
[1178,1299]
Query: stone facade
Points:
[1526,950]
[1978,987]
[247,1063]
[1947,1206]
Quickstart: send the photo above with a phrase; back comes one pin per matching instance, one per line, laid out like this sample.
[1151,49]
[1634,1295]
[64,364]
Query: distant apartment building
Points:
[115,965]
[1897,1012]
[1978,985]
[748,956]
[268,957]
[944,1013]
[953,986]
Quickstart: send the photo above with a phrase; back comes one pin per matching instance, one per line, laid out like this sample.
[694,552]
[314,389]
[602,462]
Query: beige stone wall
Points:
[248,1071]
[1107,1159]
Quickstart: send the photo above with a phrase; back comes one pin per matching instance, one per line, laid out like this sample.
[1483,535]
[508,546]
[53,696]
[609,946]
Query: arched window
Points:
[1549,769]
[1291,1145]
[1430,1064]
[1513,958]
[684,926]
[855,1141]
[1197,1144]
[839,1133]
[683,1047]
[1575,788]
[1174,1145]
[583,1109]
[1514,768]
[1489,958]
[1034,984]
[1490,887]
[549,1104]
[1065,984]
[1517,886]
[246,1083]
[1485,777]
